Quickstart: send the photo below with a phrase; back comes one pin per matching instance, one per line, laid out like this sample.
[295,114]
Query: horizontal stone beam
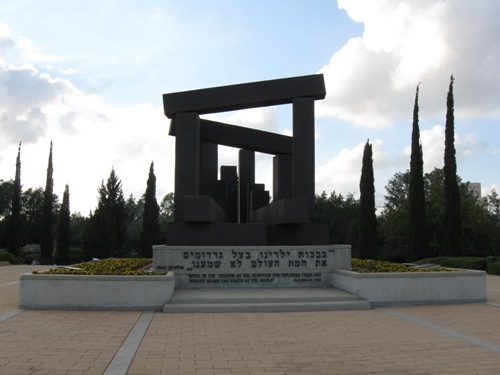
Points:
[244,96]
[243,138]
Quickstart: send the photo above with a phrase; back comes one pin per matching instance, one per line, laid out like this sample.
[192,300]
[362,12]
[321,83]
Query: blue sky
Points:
[90,76]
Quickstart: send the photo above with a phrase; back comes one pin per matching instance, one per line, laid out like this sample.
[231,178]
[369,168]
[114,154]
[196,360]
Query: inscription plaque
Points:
[247,266]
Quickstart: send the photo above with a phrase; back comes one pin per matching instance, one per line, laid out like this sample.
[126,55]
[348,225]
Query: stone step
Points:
[263,300]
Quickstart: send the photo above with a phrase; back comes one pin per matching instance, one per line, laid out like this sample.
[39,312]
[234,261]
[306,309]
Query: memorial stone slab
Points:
[252,266]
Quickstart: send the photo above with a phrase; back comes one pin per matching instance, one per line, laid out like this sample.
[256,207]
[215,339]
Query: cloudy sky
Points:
[89,75]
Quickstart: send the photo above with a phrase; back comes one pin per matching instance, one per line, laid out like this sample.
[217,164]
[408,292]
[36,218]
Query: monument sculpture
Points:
[226,229]
[235,210]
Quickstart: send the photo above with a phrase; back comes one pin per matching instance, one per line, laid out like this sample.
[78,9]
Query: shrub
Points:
[468,263]
[494,268]
[76,255]
[6,256]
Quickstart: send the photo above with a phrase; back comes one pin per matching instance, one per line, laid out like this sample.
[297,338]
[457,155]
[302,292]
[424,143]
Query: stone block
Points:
[298,234]
[202,208]
[216,234]
[284,211]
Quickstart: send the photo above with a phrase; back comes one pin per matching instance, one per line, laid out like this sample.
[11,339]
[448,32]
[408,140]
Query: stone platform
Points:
[263,300]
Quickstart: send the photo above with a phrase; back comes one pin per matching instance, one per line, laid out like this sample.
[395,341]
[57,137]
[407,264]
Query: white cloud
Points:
[433,145]
[343,172]
[68,71]
[487,190]
[89,134]
[371,80]
[262,118]
[26,98]
[6,40]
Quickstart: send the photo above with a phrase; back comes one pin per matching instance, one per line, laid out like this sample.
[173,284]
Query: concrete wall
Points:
[95,292]
[409,288]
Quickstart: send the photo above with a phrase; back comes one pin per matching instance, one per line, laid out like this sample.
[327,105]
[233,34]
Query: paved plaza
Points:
[444,339]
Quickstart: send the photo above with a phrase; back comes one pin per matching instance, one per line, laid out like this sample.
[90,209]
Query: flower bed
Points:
[379,266]
[413,288]
[110,266]
[110,284]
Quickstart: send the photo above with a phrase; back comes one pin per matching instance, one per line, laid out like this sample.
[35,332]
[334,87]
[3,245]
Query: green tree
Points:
[135,211]
[15,240]
[368,237]
[434,209]
[32,215]
[6,191]
[151,217]
[493,203]
[77,227]
[106,231]
[166,215]
[47,235]
[453,227]
[418,243]
[394,220]
[481,227]
[342,216]
[64,232]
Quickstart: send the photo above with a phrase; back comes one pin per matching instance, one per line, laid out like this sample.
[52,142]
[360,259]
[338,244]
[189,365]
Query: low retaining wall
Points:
[413,288]
[251,266]
[95,292]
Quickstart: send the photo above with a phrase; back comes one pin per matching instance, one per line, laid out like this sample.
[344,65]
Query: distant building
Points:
[475,188]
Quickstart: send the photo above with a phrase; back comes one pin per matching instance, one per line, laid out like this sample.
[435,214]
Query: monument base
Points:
[252,266]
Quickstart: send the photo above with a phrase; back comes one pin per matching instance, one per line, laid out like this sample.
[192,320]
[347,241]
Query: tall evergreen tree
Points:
[452,241]
[368,237]
[15,240]
[418,242]
[151,217]
[64,233]
[106,231]
[47,239]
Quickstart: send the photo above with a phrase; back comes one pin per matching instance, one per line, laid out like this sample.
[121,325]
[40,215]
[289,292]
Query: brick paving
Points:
[403,340]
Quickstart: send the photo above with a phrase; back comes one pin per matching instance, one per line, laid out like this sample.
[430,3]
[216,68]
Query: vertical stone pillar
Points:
[282,177]
[230,174]
[246,168]
[208,166]
[303,151]
[187,160]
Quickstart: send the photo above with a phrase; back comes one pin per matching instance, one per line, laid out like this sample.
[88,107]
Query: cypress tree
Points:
[418,243]
[151,217]
[15,240]
[452,241]
[368,238]
[47,240]
[64,233]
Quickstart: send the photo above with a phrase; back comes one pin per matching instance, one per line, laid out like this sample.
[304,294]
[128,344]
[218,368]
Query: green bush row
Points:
[469,263]
[494,268]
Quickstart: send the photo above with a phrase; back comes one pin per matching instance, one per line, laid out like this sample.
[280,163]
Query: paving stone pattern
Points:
[378,341]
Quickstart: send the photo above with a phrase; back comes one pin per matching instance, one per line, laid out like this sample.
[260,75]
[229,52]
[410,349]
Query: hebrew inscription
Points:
[236,267]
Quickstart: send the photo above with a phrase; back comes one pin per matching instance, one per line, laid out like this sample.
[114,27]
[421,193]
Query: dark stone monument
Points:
[234,210]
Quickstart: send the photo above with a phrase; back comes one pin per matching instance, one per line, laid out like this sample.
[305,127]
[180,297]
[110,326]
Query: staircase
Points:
[263,300]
